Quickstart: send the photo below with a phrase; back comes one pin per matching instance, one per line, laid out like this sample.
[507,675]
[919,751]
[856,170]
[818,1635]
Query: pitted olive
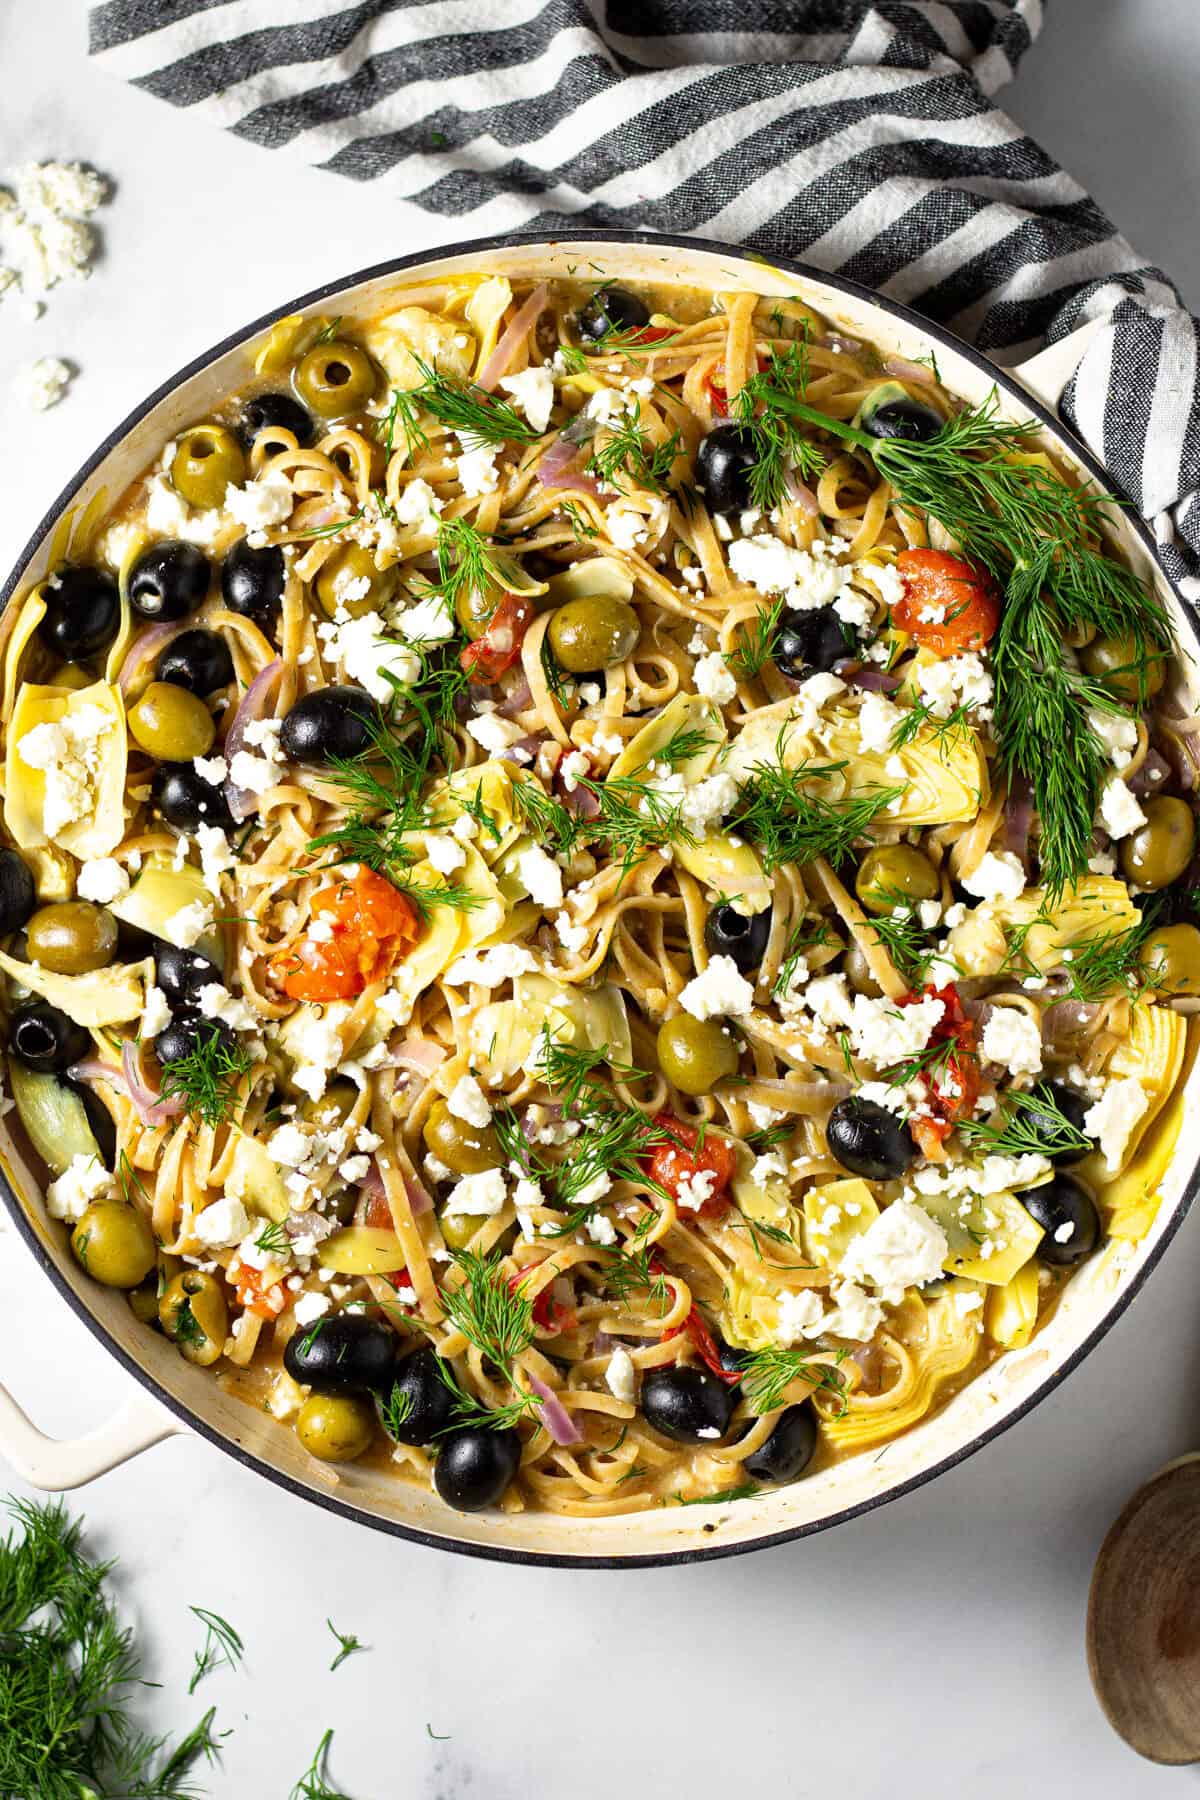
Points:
[113,1242]
[350,582]
[466,1149]
[207,460]
[895,875]
[194,1315]
[1125,672]
[593,633]
[1170,959]
[695,1054]
[1158,852]
[335,1427]
[335,378]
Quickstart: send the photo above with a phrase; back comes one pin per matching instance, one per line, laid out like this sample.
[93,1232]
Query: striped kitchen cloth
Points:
[860,137]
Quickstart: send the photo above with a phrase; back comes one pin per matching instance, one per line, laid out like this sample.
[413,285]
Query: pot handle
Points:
[56,1464]
[1047,374]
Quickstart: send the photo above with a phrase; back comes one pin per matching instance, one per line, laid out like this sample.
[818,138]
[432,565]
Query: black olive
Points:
[728,932]
[100,1120]
[869,1140]
[475,1465]
[169,580]
[346,1353]
[18,896]
[729,1357]
[186,800]
[197,660]
[418,1404]
[890,412]
[182,973]
[83,611]
[45,1039]
[723,464]
[691,1405]
[612,309]
[1046,1128]
[788,1451]
[252,581]
[332,721]
[186,1031]
[280,411]
[812,640]
[1057,1205]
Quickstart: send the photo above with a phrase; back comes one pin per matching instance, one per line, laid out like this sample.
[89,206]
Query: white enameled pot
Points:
[173,1396]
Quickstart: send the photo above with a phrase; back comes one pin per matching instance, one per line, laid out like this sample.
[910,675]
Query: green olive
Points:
[593,633]
[475,605]
[1158,852]
[171,723]
[1117,663]
[143,1300]
[332,1109]
[335,378]
[858,973]
[467,1149]
[895,875]
[694,1054]
[340,582]
[335,1427]
[1171,959]
[459,1228]
[194,1315]
[114,1243]
[71,937]
[207,460]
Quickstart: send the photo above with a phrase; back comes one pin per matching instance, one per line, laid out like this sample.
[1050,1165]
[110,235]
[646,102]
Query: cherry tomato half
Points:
[359,926]
[949,605]
[673,1163]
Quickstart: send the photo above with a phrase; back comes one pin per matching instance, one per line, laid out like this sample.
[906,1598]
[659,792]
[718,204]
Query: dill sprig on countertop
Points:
[1039,537]
[222,1647]
[69,1673]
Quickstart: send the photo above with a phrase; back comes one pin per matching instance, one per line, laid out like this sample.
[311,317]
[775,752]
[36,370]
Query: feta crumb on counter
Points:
[43,384]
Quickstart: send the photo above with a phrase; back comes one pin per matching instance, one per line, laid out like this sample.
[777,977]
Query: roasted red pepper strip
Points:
[499,646]
[953,1087]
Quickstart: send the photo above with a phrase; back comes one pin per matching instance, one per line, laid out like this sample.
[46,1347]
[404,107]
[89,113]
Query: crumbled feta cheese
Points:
[289,1145]
[829,998]
[317,1045]
[621,1375]
[1113,1118]
[216,1002]
[44,383]
[904,1247]
[212,769]
[62,188]
[715,680]
[491,967]
[492,733]
[260,504]
[1014,1040]
[477,472]
[885,1033]
[954,681]
[444,852]
[156,1013]
[168,515]
[368,656]
[721,989]
[478,1196]
[593,1191]
[216,855]
[999,876]
[310,1307]
[68,754]
[253,773]
[601,1229]
[428,622]
[809,579]
[222,1224]
[800,1315]
[83,1181]
[1120,813]
[533,391]
[877,722]
[190,923]
[102,881]
[541,876]
[692,1191]
[1117,732]
[417,504]
[467,1101]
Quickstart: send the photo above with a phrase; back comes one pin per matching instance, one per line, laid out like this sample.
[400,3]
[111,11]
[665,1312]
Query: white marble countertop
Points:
[941,1636]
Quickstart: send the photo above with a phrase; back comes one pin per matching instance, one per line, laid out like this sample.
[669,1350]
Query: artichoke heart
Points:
[405,339]
[505,1033]
[85,780]
[835,1214]
[951,1343]
[109,996]
[1098,906]
[700,719]
[730,869]
[990,1236]
[942,780]
[485,310]
[53,1116]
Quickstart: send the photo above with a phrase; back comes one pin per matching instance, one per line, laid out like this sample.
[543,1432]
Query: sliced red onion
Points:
[420,1056]
[256,703]
[909,371]
[93,1069]
[517,701]
[582,802]
[511,339]
[530,745]
[1067,1018]
[554,1415]
[1018,816]
[372,1185]
[603,1344]
[148,1103]
[145,647]
[1153,772]
[558,468]
[869,679]
[801,494]
[419,1199]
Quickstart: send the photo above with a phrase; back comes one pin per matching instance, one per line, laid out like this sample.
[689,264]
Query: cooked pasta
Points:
[598,891]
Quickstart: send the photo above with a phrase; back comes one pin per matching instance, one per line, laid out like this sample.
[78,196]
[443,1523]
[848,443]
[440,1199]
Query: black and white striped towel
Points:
[861,137]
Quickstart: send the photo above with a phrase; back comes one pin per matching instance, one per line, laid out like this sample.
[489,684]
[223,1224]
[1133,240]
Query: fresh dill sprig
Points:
[68,1674]
[807,934]
[1110,961]
[631,1270]
[348,1644]
[314,1784]
[903,936]
[745,1490]
[272,1239]
[945,732]
[1029,1123]
[770,1372]
[222,1647]
[757,1229]
[493,1317]
[208,1079]
[792,826]
[324,531]
[626,459]
[769,1137]
[580,526]
[932,1062]
[470,411]
[468,1409]
[757,642]
[556,679]
[763,409]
